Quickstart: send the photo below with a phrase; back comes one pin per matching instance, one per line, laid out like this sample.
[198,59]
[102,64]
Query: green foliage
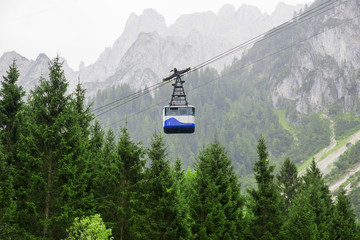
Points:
[320,199]
[313,135]
[10,104]
[7,194]
[53,159]
[265,204]
[288,182]
[354,196]
[131,186]
[301,220]
[165,218]
[88,228]
[344,218]
[346,125]
[216,201]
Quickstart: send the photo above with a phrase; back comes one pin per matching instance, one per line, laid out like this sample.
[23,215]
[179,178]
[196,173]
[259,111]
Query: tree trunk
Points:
[47,199]
[122,222]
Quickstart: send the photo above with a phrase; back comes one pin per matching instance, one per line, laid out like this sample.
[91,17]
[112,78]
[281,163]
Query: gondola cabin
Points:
[179,119]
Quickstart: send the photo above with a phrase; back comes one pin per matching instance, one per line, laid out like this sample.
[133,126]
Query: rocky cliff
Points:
[314,65]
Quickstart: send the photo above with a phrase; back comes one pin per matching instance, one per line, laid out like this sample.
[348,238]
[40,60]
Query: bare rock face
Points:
[325,69]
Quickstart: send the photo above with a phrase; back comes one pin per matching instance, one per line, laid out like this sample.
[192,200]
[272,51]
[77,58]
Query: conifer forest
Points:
[63,176]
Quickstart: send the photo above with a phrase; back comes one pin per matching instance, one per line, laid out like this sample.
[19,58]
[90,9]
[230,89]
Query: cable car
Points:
[179,119]
[178,116]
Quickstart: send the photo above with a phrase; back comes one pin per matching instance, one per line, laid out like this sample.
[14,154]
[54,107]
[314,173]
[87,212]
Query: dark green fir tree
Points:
[288,182]
[166,217]
[344,218]
[265,203]
[216,202]
[131,156]
[320,200]
[107,172]
[7,199]
[301,219]
[54,159]
[10,104]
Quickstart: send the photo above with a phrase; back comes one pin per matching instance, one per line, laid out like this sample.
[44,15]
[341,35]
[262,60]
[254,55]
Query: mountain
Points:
[32,70]
[147,49]
[299,88]
[322,69]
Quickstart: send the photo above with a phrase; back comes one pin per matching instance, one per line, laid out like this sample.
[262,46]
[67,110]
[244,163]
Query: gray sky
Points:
[81,29]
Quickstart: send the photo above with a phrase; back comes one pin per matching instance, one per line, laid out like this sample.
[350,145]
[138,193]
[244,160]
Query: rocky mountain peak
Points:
[226,10]
[11,55]
[148,21]
[42,57]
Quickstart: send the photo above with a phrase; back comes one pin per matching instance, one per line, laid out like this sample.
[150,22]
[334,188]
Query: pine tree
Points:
[178,170]
[288,181]
[84,115]
[344,220]
[216,204]
[320,200]
[265,204]
[166,218]
[301,219]
[10,104]
[96,138]
[131,186]
[107,170]
[7,195]
[54,159]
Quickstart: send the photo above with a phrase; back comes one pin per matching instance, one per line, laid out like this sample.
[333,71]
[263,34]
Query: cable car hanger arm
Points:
[176,74]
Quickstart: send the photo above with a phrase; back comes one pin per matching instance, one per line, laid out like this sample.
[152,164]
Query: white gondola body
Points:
[179,119]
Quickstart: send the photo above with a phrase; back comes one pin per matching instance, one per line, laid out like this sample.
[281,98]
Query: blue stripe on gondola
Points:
[173,122]
[172,125]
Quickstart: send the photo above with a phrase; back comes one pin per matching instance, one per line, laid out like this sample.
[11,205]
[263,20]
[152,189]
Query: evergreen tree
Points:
[265,204]
[288,181]
[83,113]
[107,170]
[216,204]
[7,202]
[320,200]
[96,138]
[164,216]
[54,160]
[131,187]
[301,219]
[344,220]
[10,104]
[178,170]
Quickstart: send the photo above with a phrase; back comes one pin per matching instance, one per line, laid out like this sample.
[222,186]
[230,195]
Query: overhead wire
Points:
[242,67]
[128,96]
[264,36]
[132,98]
[260,37]
[291,23]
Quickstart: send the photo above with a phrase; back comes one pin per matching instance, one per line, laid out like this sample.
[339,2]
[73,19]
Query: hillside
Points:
[280,88]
